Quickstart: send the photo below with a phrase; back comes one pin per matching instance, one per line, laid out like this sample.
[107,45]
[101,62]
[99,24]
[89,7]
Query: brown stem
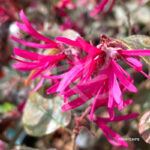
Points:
[149,70]
[86,112]
[78,123]
[12,142]
[74,147]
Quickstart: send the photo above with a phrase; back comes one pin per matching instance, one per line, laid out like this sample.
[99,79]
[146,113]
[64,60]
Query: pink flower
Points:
[94,76]
[66,4]
[102,6]
[3,15]
[104,87]
[40,65]
[101,60]
[26,27]
[100,77]
[111,136]
[37,63]
[62,6]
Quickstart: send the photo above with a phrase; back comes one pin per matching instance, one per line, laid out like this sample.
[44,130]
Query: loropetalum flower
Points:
[40,64]
[37,63]
[100,77]
[66,4]
[95,74]
[104,6]
[62,6]
[3,15]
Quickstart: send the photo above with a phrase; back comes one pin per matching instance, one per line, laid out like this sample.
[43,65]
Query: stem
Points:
[74,142]
[86,112]
[78,124]
[149,70]
[12,142]
[128,17]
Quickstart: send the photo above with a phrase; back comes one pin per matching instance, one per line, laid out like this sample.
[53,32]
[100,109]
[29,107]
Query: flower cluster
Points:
[93,74]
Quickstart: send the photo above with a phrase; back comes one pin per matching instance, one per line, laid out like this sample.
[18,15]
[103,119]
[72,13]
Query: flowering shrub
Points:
[93,73]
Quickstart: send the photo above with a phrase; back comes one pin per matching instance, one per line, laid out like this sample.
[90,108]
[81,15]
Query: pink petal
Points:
[32,31]
[43,68]
[52,89]
[118,118]
[117,94]
[75,103]
[147,76]
[144,52]
[24,66]
[27,55]
[94,104]
[31,44]
[93,84]
[99,8]
[136,64]
[38,86]
[68,41]
[111,112]
[87,47]
[122,78]
[111,136]
[110,87]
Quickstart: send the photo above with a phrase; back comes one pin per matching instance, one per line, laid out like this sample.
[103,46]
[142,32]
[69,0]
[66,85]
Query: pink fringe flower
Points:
[66,4]
[100,77]
[105,6]
[99,74]
[96,76]
[3,15]
[112,137]
[39,64]
[62,6]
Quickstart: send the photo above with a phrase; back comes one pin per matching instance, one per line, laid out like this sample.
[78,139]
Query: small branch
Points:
[78,124]
[12,142]
[128,17]
[86,112]
[74,147]
[149,70]
[68,130]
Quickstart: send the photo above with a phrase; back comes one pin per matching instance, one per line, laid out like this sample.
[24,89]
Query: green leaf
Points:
[6,107]
[43,116]
[138,42]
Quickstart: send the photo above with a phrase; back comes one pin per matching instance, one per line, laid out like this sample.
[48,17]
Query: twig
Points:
[68,130]
[128,17]
[12,142]
[78,125]
[74,142]
[149,70]
[86,112]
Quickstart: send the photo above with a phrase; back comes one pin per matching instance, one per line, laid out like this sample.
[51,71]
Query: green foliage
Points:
[6,107]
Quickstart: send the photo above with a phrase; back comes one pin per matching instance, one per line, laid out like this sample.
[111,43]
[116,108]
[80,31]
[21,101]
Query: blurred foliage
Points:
[44,116]
[6,107]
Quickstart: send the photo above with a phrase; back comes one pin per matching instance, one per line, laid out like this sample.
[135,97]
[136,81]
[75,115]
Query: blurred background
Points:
[27,122]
